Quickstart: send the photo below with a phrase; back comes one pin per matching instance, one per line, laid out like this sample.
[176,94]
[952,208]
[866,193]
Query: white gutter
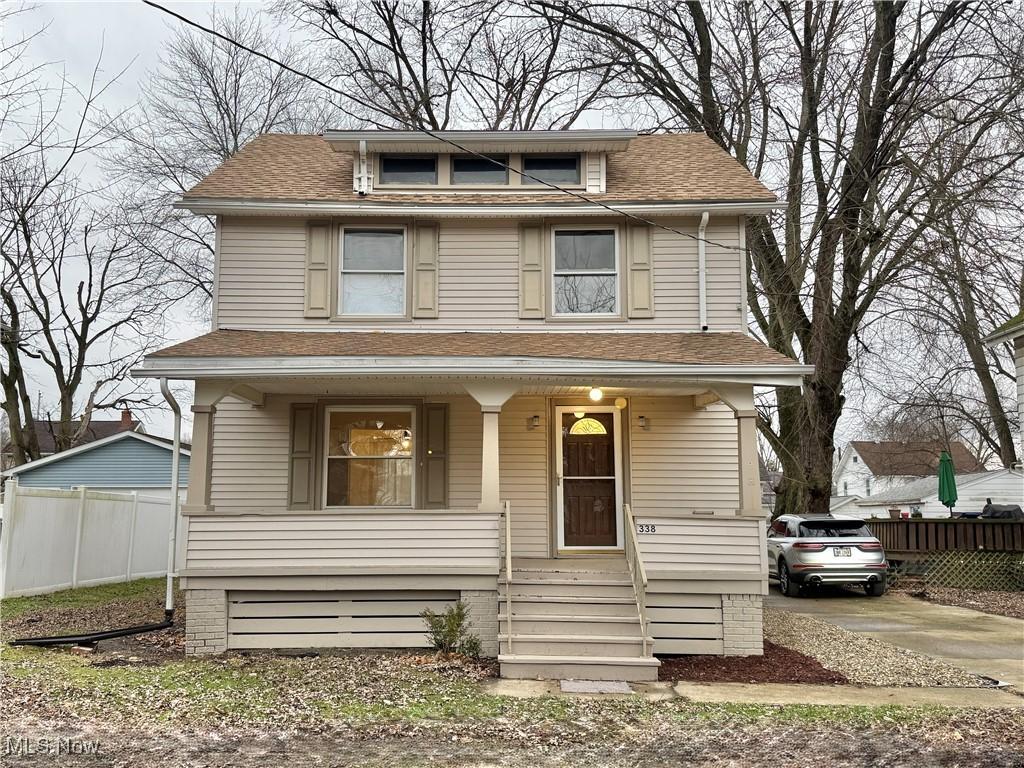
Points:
[341,367]
[702,270]
[467,210]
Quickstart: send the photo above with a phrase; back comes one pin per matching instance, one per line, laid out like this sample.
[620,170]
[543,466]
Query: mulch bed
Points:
[777,665]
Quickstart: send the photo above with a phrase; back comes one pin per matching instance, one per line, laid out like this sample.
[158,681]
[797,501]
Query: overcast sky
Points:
[128,36]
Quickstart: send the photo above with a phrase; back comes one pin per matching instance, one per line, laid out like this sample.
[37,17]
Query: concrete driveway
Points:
[978,642]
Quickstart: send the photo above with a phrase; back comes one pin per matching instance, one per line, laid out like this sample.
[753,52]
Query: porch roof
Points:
[280,353]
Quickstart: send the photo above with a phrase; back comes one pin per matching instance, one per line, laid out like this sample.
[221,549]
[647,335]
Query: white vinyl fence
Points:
[53,539]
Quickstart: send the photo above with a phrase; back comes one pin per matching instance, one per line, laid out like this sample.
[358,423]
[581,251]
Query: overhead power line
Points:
[438,137]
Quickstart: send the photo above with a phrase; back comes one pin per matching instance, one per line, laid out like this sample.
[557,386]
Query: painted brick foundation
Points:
[742,628]
[206,621]
[483,613]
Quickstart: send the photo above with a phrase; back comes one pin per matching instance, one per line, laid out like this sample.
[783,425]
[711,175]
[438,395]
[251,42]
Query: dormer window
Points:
[408,169]
[470,169]
[554,169]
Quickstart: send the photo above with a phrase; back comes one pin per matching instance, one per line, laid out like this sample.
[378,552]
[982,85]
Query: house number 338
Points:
[646,528]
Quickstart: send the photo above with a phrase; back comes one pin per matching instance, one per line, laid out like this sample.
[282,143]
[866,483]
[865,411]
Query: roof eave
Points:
[606,140]
[208,367]
[229,206]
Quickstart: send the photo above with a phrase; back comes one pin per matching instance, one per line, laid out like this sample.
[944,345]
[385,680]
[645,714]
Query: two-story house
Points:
[866,468]
[433,377]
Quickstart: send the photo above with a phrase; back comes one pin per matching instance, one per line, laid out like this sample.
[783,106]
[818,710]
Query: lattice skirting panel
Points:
[970,570]
[346,619]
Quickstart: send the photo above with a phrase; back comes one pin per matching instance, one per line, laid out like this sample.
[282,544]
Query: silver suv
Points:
[824,550]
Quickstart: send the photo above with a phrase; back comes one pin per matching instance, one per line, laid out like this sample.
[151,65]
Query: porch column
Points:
[200,463]
[490,494]
[491,396]
[207,395]
[750,473]
[740,398]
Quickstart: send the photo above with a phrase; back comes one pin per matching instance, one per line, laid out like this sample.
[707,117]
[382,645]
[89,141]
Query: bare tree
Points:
[848,109]
[470,64]
[205,101]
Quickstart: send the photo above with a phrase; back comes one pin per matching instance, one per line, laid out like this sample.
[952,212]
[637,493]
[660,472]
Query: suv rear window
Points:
[821,528]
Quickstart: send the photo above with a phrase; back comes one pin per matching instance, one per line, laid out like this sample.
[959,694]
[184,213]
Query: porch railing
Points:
[508,573]
[637,571]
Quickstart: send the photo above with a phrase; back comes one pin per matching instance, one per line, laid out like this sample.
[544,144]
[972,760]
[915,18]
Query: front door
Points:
[589,488]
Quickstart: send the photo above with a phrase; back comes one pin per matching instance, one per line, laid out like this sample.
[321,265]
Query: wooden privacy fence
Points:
[53,539]
[916,537]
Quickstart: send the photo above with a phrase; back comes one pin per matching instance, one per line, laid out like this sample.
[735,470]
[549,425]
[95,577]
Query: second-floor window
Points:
[554,169]
[408,169]
[470,169]
[585,272]
[372,272]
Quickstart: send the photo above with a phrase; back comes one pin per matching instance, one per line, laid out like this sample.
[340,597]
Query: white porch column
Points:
[740,398]
[207,395]
[491,396]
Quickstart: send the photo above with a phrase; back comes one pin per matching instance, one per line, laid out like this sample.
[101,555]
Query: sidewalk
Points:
[767,693]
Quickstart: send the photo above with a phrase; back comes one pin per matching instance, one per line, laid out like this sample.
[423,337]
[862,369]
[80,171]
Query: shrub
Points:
[449,630]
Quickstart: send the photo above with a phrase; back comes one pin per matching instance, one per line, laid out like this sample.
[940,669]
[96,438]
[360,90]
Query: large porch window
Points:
[369,457]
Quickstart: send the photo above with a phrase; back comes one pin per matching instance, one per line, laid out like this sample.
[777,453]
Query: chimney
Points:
[126,420]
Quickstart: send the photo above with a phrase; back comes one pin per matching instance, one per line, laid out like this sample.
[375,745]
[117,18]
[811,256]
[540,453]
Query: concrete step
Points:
[573,645]
[572,606]
[524,666]
[568,588]
[534,624]
[573,577]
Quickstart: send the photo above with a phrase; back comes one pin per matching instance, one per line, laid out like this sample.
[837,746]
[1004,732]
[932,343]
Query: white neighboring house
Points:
[868,468]
[1012,332]
[1002,486]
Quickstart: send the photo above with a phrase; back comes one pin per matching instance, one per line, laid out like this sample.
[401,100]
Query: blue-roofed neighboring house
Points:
[122,462]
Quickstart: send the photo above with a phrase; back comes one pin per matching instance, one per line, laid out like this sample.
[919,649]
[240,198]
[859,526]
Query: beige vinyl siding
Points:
[524,473]
[592,171]
[250,455]
[262,276]
[478,276]
[262,262]
[431,541]
[703,548]
[250,461]
[686,458]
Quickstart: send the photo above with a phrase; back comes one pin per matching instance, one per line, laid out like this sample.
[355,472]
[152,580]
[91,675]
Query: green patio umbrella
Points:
[947,482]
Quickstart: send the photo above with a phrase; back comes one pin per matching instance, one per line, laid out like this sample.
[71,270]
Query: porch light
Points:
[620,403]
[596,394]
[642,420]
[535,421]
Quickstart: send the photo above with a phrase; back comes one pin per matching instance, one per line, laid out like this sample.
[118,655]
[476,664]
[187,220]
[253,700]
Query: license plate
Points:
[841,551]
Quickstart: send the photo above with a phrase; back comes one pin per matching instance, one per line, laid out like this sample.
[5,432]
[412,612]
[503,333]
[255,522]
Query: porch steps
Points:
[573,619]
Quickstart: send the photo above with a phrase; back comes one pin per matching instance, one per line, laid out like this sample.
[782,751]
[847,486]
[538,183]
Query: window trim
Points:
[339,307]
[617,274]
[528,182]
[412,410]
[482,184]
[379,169]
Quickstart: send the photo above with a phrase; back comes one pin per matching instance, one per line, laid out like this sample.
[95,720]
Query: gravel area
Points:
[777,665]
[978,740]
[862,660]
[1010,604]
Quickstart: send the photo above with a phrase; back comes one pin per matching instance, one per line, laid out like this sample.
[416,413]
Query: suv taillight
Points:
[870,546]
[809,546]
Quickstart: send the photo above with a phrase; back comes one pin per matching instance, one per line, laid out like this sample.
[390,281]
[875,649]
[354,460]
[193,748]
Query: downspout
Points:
[702,271]
[362,185]
[173,526]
